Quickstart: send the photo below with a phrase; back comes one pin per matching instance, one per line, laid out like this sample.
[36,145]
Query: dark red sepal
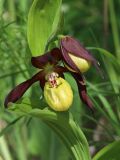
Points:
[74,47]
[60,70]
[82,90]
[19,90]
[51,57]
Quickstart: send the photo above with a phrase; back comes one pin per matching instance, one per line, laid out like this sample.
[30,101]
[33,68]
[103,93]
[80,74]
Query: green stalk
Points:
[23,5]
[115,30]
[1,6]
[21,152]
[4,149]
[11,9]
[105,19]
[52,148]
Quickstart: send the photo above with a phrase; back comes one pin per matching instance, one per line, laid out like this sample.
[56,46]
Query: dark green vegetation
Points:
[96,24]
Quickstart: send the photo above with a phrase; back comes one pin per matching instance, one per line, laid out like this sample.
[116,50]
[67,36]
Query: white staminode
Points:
[51,77]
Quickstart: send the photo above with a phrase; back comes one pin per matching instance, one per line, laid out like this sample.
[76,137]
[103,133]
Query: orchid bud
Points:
[76,57]
[82,64]
[58,96]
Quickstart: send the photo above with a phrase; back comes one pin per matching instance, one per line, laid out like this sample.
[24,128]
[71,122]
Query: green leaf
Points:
[110,152]
[63,125]
[69,132]
[43,21]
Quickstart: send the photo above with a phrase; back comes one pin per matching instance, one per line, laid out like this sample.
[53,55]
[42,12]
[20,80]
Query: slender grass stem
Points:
[1,6]
[12,10]
[115,30]
[52,148]
[4,149]
[21,153]
[105,19]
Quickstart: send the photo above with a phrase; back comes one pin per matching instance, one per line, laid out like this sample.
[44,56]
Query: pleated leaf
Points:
[43,23]
[63,124]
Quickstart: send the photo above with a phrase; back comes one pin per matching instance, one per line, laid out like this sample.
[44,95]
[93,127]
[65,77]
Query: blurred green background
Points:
[96,24]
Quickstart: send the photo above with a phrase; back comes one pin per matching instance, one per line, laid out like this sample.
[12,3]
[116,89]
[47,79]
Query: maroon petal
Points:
[74,47]
[60,69]
[52,57]
[19,90]
[82,90]
[42,82]
[68,60]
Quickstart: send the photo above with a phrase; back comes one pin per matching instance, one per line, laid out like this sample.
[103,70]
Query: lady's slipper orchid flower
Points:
[76,59]
[48,64]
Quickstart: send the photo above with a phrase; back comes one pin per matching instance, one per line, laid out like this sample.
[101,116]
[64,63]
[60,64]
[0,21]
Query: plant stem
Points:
[11,8]
[21,153]
[52,148]
[105,19]
[4,149]
[114,26]
[1,7]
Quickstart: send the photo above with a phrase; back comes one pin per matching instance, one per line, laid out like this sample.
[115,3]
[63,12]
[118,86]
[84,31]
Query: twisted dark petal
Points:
[60,69]
[42,82]
[74,47]
[68,60]
[82,90]
[19,90]
[52,57]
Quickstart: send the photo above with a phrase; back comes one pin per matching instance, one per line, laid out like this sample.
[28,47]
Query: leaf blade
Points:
[61,123]
[111,151]
[43,21]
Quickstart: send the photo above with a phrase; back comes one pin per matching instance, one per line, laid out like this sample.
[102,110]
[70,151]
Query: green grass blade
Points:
[114,25]
[110,152]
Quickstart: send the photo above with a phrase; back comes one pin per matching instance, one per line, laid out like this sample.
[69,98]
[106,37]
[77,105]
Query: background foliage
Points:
[96,24]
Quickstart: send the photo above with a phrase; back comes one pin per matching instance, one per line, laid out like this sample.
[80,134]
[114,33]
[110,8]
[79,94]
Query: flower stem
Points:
[4,149]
